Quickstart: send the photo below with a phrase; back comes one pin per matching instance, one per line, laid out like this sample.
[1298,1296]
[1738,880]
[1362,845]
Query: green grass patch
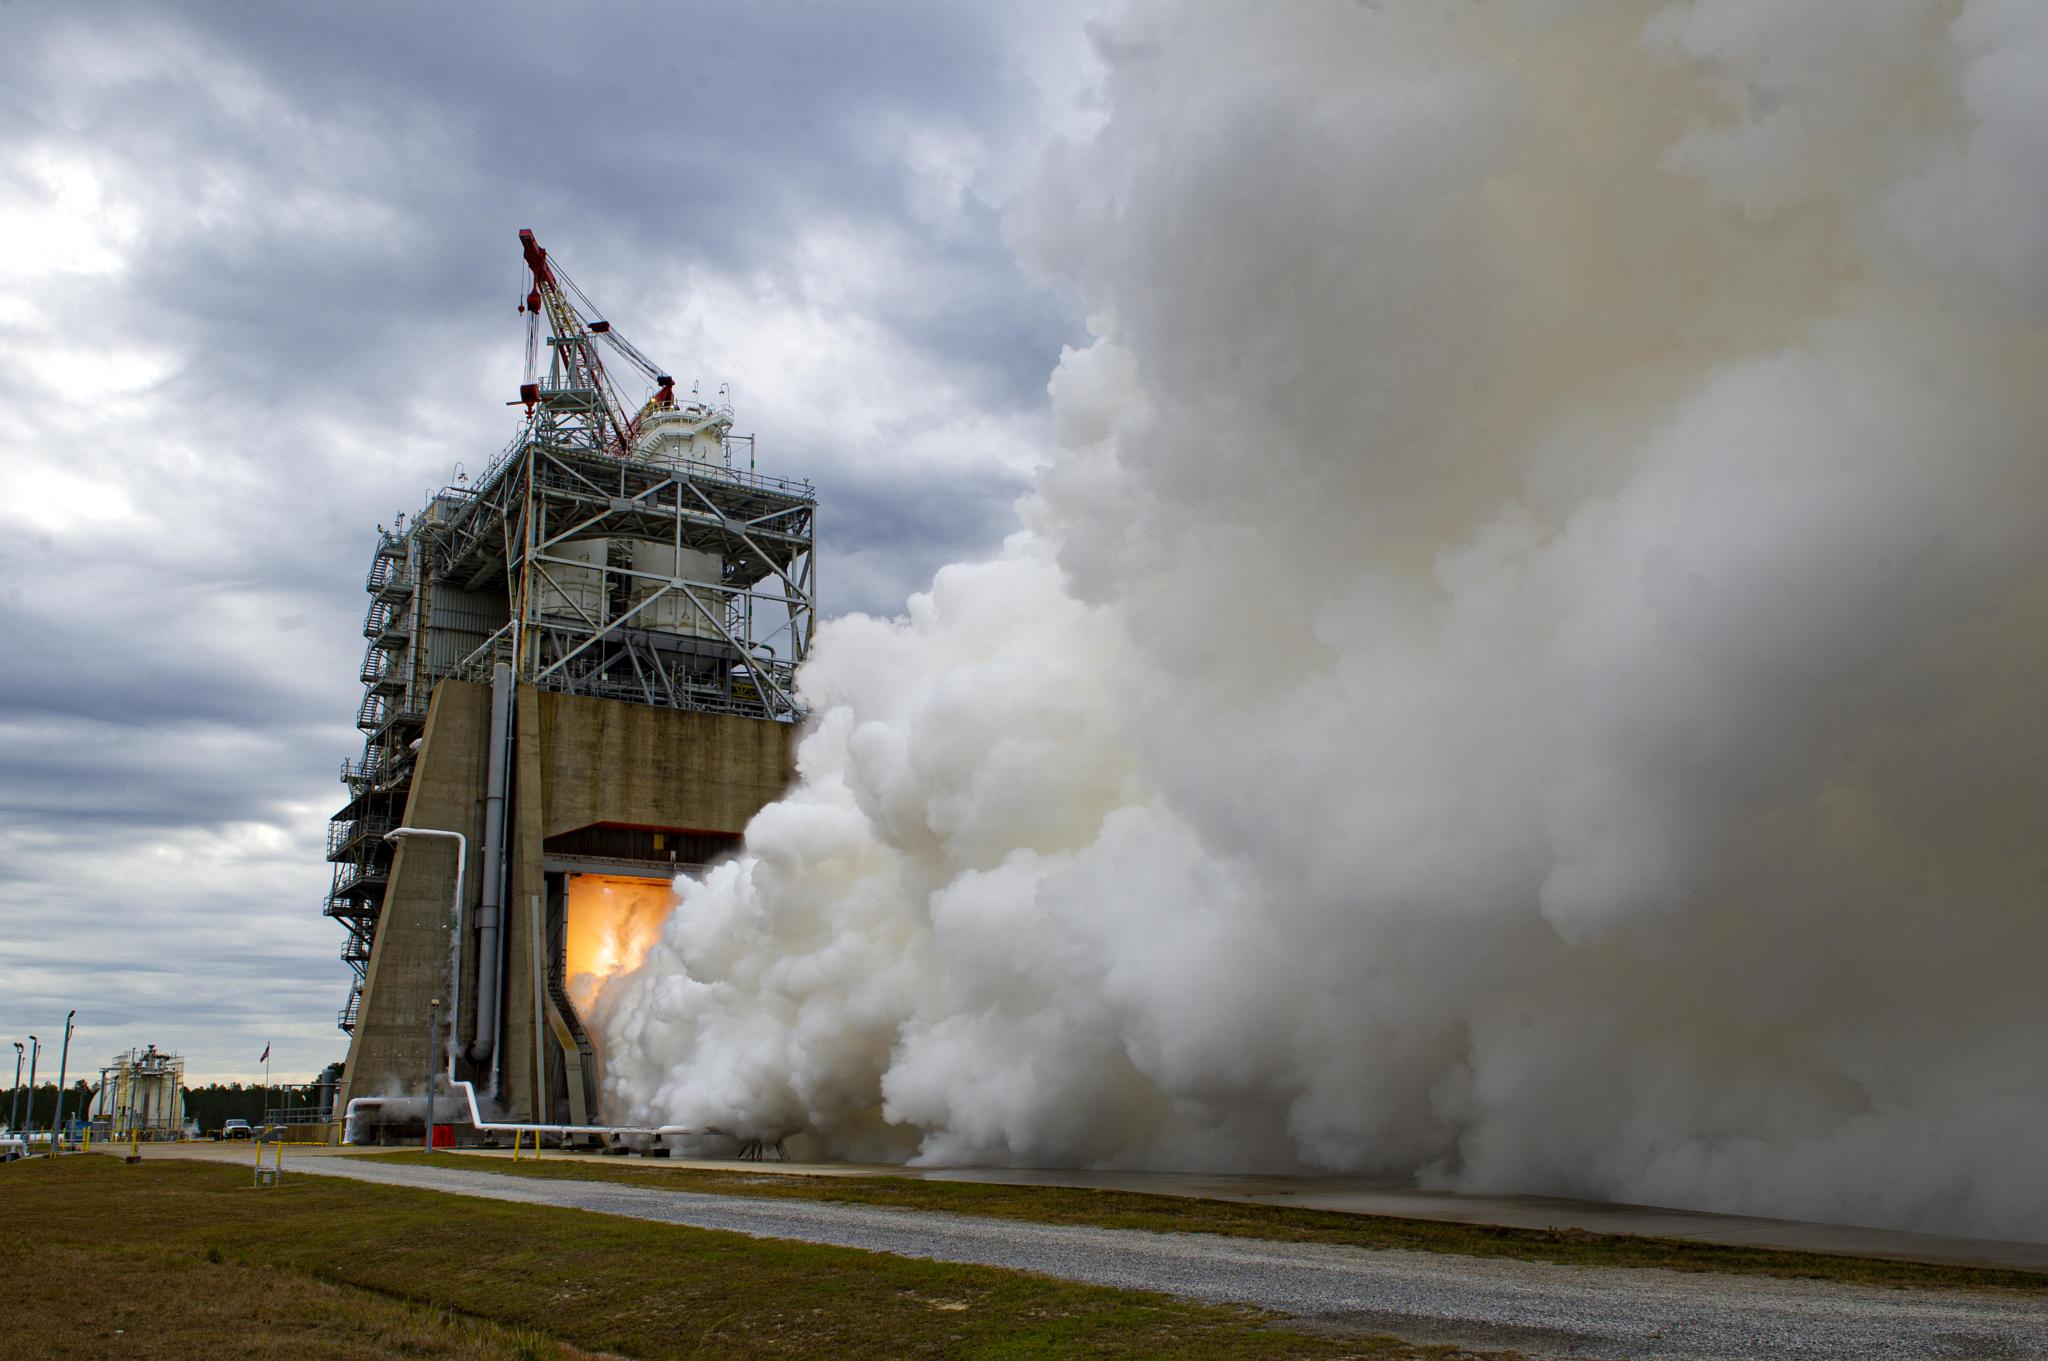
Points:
[172,1259]
[1176,1214]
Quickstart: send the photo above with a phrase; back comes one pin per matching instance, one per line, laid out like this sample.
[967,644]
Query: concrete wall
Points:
[576,762]
[637,766]
[409,958]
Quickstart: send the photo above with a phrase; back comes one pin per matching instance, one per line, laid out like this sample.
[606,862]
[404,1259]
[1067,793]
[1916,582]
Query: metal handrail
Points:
[348,831]
[481,658]
[350,875]
[366,771]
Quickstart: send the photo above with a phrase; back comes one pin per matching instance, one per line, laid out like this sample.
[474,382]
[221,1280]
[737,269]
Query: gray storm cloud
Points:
[1525,671]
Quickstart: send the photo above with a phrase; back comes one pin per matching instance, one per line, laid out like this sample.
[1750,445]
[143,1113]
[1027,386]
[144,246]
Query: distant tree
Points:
[39,1106]
[210,1105]
[216,1103]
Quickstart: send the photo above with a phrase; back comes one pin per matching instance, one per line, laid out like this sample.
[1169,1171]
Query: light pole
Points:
[14,1116]
[63,1066]
[433,1016]
[35,1052]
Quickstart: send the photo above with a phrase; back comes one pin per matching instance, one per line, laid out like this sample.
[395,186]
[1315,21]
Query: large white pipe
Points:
[476,1118]
[348,1122]
[348,1114]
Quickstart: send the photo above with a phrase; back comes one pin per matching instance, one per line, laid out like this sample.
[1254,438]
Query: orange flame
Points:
[612,924]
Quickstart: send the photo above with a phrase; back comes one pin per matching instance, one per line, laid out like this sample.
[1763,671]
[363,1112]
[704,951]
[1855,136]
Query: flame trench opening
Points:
[612,922]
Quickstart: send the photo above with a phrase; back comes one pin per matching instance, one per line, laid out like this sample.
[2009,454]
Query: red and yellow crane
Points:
[574,330]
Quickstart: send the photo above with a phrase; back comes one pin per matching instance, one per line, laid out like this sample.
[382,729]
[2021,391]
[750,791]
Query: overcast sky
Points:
[258,273]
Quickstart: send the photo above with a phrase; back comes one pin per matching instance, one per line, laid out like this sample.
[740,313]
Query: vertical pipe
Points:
[33,1054]
[489,960]
[14,1117]
[433,1017]
[63,1066]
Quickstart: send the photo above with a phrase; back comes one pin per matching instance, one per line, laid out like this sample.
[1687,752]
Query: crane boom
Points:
[573,337]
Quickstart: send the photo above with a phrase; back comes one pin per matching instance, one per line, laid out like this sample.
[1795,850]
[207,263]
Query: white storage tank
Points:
[143,1095]
[574,590]
[689,432]
[673,612]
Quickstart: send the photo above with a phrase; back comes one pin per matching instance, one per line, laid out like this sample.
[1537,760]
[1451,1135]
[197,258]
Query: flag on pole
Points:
[266,1055]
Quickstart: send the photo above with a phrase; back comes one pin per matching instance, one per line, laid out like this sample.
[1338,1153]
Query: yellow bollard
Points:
[517,1135]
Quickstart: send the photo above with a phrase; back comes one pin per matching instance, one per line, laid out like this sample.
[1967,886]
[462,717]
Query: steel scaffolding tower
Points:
[639,559]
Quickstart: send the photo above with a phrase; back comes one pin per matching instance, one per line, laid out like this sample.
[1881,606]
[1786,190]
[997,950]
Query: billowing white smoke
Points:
[1530,667]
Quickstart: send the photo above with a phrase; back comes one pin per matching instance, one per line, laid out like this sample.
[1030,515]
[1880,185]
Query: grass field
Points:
[171,1259]
[1169,1214]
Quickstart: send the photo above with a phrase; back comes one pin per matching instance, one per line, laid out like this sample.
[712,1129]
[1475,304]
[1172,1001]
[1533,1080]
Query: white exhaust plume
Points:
[1529,668]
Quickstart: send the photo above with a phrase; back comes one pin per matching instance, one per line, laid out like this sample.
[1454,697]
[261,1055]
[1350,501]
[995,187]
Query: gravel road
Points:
[1545,1310]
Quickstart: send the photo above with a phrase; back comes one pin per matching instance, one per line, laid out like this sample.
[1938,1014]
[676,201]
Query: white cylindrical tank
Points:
[689,432]
[145,1094]
[672,612]
[574,590]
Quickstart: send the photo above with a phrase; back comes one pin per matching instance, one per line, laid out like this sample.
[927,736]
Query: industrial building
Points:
[582,663]
[141,1096]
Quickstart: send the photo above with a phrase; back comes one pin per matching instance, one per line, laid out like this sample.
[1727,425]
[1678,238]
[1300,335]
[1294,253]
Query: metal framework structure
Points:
[142,1095]
[634,558]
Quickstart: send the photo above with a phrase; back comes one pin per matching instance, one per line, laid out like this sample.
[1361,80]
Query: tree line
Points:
[218,1102]
[210,1105]
[38,1104]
